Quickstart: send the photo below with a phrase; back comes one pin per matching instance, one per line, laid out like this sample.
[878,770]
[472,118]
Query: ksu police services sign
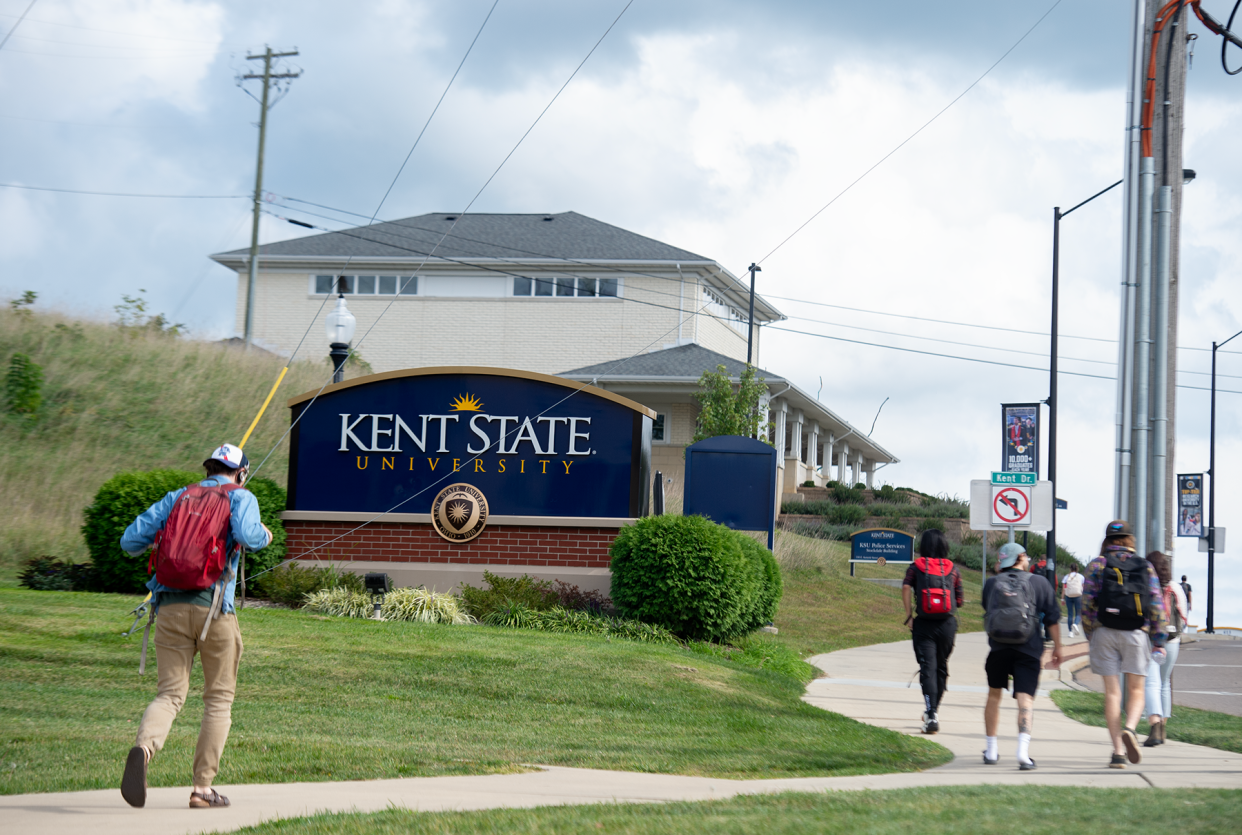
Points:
[533,444]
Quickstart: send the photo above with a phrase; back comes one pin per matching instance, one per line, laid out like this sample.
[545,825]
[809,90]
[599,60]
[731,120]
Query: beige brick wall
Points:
[550,335]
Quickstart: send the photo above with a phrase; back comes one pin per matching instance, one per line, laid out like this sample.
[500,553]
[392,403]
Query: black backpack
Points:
[1011,617]
[1124,601]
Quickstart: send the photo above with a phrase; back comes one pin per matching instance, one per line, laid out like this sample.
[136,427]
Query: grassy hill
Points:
[119,399]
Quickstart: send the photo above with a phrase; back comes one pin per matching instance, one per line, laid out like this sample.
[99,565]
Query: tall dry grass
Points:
[118,400]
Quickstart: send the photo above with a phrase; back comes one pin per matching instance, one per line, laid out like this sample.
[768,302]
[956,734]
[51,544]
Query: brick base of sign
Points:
[547,548]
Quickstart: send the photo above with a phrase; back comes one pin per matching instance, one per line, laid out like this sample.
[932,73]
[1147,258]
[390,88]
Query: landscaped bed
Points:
[326,698]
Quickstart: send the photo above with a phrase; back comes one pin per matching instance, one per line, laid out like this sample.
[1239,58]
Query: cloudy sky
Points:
[720,127]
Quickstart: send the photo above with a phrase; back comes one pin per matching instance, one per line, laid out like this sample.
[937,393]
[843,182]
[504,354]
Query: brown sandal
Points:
[208,800]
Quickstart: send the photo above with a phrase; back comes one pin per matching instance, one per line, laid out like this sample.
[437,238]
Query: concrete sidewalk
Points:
[867,684]
[879,685]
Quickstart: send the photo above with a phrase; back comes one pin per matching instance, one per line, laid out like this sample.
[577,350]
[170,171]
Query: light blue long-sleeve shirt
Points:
[244,528]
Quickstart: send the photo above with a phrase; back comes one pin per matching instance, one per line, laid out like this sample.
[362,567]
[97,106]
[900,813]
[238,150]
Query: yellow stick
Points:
[270,395]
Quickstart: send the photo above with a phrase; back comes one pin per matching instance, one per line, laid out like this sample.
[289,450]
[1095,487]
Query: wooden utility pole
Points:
[267,76]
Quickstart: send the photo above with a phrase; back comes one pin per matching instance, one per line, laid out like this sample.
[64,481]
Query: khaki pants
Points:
[176,640]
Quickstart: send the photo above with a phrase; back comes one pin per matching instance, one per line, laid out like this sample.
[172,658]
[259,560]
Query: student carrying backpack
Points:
[198,532]
[932,594]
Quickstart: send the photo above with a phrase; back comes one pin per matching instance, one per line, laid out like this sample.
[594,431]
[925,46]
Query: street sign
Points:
[1010,505]
[982,497]
[1062,504]
[1028,479]
[1220,540]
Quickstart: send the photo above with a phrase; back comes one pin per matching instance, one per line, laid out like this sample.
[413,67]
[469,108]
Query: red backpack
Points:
[189,552]
[933,588]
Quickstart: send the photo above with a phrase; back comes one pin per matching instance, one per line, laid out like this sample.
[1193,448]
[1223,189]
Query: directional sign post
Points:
[1011,498]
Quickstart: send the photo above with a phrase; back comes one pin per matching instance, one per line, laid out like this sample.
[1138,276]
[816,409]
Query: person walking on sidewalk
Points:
[1015,602]
[1123,616]
[1071,597]
[188,527]
[932,594]
[1190,603]
[1160,673]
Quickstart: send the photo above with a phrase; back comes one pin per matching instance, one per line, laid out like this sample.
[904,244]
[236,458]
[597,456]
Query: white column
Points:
[843,462]
[778,418]
[795,436]
[812,458]
[870,471]
[828,460]
[858,465]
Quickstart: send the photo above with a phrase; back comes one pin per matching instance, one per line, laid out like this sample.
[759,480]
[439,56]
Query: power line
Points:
[9,34]
[115,32]
[916,133]
[125,193]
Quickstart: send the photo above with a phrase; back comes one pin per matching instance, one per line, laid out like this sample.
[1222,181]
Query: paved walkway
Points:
[868,684]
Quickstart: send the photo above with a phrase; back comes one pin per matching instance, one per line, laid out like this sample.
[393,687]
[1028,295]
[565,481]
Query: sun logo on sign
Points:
[466,403]
[458,512]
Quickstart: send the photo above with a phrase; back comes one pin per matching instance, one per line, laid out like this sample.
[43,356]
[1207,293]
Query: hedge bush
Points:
[124,496]
[691,576]
[290,584]
[537,595]
[51,574]
[771,586]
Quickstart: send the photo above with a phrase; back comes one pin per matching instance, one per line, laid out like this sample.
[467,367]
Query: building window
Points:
[658,430]
[366,285]
[566,287]
[722,310]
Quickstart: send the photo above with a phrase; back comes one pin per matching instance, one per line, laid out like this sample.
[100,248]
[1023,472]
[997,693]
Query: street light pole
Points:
[750,319]
[1057,214]
[1211,549]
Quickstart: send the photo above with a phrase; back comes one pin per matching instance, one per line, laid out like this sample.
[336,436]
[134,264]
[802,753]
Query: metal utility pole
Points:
[267,76]
[750,319]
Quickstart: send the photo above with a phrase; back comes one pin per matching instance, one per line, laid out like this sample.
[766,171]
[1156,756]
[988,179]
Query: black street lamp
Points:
[1057,214]
[340,327]
[1211,537]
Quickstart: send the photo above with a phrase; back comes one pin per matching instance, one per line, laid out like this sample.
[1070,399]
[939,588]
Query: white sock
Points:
[993,749]
[1024,744]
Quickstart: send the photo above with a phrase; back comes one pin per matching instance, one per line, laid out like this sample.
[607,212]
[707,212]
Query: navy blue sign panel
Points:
[534,444]
[732,480]
[875,543]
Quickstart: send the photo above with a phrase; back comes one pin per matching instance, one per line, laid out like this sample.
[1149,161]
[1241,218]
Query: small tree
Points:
[23,386]
[22,305]
[132,317]
[728,411]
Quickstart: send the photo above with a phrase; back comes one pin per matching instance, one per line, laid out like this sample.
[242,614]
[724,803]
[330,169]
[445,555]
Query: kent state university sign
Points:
[531,444]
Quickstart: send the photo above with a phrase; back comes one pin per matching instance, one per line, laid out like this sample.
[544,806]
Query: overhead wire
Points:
[22,17]
[905,141]
[125,193]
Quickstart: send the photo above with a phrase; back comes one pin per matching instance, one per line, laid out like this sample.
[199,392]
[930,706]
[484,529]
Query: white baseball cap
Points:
[230,456]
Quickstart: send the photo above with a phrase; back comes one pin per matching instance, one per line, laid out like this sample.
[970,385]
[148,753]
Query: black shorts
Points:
[1010,661]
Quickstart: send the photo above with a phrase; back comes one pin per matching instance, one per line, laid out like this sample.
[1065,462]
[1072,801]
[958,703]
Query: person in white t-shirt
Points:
[1071,596]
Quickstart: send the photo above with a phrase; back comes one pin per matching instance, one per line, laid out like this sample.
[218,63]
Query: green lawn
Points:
[987,810]
[330,699]
[1188,724]
[824,609]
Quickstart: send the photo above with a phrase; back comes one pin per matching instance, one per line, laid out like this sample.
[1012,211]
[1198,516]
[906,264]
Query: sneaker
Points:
[930,724]
[1130,740]
[1029,765]
[134,780]
[207,800]
[1118,761]
[992,761]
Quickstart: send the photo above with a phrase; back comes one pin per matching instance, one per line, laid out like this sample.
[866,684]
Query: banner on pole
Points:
[1190,505]
[1020,438]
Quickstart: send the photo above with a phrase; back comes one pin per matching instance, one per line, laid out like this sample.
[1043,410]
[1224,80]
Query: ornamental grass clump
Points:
[515,615]
[418,605]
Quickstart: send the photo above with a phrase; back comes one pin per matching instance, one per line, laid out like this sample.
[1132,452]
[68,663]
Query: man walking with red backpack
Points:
[198,532]
[932,594]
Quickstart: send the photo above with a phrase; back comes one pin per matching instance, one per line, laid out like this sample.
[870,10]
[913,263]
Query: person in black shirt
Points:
[934,633]
[1022,662]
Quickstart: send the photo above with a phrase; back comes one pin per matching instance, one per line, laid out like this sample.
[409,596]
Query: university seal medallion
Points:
[459,513]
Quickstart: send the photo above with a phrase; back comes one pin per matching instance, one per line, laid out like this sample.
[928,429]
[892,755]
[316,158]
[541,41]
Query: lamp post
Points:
[340,328]
[1057,214]
[1211,537]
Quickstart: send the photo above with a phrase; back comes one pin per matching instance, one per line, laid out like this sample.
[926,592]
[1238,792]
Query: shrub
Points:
[567,621]
[848,495]
[513,614]
[966,556]
[570,597]
[890,494]
[928,524]
[860,486]
[23,386]
[124,496]
[687,574]
[290,584]
[537,595]
[808,484]
[51,574]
